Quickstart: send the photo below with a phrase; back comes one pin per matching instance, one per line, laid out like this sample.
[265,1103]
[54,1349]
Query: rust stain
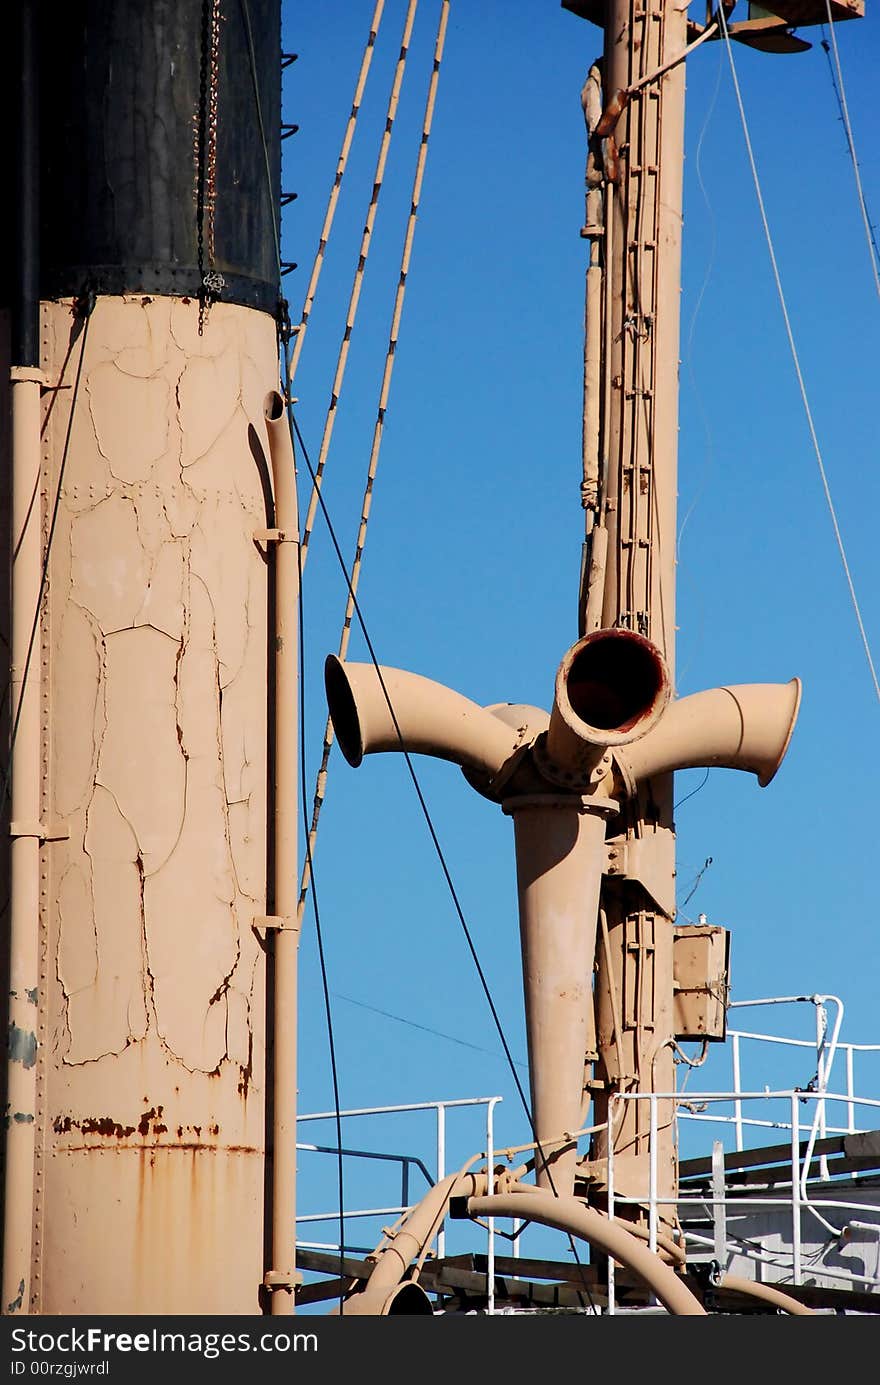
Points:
[92,1125]
[154,1113]
[150,1123]
[179,1147]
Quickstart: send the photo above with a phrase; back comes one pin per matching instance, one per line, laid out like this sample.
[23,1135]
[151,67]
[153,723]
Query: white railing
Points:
[406,1162]
[738,1111]
[719,1205]
[827,1050]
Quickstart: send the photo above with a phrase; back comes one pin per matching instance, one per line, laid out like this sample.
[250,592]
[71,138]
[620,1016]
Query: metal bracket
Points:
[276,923]
[641,859]
[54,832]
[274,536]
[282,1279]
[23,374]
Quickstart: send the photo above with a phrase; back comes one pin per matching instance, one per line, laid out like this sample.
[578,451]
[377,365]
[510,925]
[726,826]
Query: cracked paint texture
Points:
[156,763]
[158,673]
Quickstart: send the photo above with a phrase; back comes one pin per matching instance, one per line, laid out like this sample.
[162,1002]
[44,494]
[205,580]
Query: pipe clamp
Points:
[277,923]
[53,832]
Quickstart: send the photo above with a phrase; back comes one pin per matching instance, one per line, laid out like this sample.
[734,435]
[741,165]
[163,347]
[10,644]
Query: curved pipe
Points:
[746,727]
[427,718]
[382,1295]
[567,1214]
[611,688]
[766,1293]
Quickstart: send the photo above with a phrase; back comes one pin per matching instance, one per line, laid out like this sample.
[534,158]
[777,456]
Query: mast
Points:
[634,102]
[634,233]
[589,785]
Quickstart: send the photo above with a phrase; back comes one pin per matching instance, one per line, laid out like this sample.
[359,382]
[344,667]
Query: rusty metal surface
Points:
[152,1113]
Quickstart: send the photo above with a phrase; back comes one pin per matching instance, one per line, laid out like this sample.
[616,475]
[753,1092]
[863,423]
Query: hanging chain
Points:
[206,122]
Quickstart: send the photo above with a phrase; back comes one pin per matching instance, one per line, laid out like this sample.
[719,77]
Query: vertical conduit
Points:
[280,1279]
[25,849]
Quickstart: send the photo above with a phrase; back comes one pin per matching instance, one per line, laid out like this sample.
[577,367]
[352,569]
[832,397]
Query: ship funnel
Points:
[611,688]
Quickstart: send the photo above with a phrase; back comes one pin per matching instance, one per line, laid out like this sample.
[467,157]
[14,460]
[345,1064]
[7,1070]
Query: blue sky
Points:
[471,570]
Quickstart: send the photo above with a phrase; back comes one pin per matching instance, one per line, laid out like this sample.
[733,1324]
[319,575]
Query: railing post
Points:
[719,1207]
[441,1172]
[737,1108]
[490,1187]
[612,1123]
[795,1190]
[821,1078]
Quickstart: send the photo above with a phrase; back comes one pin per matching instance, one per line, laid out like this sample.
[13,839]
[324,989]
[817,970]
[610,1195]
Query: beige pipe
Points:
[560,854]
[611,688]
[25,832]
[393,1260]
[281,1276]
[596,579]
[592,385]
[428,719]
[766,1293]
[567,1214]
[745,727]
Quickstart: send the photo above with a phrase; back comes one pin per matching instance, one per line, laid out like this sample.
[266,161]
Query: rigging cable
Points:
[840,93]
[432,830]
[83,308]
[318,499]
[252,62]
[390,356]
[319,935]
[709,448]
[54,391]
[357,282]
[245,11]
[300,330]
[425,1028]
[797,365]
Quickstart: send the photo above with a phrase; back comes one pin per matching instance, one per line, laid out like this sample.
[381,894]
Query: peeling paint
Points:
[16,1303]
[157,762]
[22,1046]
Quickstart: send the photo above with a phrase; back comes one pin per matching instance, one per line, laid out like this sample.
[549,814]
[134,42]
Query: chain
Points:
[211,153]
[205,123]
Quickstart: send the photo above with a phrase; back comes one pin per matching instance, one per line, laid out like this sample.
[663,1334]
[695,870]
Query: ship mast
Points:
[635,121]
[607,993]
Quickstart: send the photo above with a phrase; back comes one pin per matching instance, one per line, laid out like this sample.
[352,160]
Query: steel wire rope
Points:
[83,307]
[378,430]
[430,825]
[341,163]
[331,1043]
[54,391]
[425,1028]
[709,449]
[357,282]
[255,82]
[840,93]
[317,499]
[796,360]
[319,936]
